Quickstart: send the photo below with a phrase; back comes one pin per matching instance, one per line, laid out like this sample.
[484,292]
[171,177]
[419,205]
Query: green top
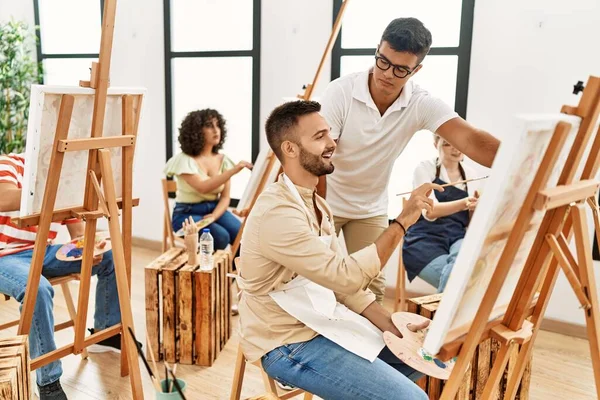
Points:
[184,164]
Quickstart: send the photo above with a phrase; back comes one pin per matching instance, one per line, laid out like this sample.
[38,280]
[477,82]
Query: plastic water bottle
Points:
[206,250]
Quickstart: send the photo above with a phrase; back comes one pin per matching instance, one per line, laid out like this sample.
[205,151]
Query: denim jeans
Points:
[14,271]
[224,230]
[331,372]
[437,272]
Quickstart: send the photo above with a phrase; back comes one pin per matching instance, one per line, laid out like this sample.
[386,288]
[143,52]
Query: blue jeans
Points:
[437,272]
[224,230]
[329,371]
[14,271]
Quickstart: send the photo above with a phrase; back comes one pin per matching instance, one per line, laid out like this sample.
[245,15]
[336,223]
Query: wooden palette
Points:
[73,250]
[410,350]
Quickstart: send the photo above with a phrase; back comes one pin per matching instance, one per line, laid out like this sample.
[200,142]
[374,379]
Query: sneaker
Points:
[52,391]
[113,343]
[284,386]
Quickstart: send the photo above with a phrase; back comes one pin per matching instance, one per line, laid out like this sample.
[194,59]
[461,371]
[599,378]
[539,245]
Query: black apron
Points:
[427,240]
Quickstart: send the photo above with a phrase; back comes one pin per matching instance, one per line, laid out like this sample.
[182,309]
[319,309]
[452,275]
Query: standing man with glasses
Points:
[373,115]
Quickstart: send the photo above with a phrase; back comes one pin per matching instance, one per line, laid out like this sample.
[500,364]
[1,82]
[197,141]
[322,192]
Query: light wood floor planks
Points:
[562,367]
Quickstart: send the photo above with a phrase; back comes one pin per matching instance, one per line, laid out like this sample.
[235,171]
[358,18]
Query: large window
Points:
[212,60]
[445,71]
[68,38]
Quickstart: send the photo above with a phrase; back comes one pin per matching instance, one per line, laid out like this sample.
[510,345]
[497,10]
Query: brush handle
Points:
[452,184]
[176,384]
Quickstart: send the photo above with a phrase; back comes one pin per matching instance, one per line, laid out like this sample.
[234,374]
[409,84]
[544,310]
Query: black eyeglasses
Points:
[384,64]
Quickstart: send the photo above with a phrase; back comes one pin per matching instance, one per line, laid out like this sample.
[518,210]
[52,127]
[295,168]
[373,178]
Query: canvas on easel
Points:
[514,169]
[43,118]
[517,258]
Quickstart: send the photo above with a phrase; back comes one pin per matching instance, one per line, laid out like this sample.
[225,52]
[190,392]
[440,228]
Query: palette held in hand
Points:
[73,250]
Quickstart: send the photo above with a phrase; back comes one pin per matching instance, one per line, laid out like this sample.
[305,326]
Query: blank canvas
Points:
[43,117]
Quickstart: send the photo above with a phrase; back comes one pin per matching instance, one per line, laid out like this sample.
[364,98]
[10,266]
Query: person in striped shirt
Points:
[16,250]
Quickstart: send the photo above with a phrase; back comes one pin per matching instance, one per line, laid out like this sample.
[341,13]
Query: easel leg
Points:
[84,285]
[588,282]
[71,308]
[121,274]
[39,250]
[493,382]
[540,309]
[127,119]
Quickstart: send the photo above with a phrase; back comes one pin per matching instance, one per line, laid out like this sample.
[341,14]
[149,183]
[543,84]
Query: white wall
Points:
[19,10]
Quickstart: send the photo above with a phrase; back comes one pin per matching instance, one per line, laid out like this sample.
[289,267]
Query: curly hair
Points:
[191,134]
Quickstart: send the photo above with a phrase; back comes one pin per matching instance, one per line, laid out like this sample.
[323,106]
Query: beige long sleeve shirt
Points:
[281,241]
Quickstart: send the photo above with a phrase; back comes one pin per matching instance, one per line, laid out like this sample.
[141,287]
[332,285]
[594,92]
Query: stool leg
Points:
[71,307]
[238,377]
[269,382]
[308,396]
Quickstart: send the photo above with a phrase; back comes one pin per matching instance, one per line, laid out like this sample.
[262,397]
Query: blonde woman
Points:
[432,244]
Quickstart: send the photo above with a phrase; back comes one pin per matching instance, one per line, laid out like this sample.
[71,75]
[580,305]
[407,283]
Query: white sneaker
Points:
[284,386]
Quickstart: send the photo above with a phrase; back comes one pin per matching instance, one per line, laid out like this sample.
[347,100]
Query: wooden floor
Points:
[561,369]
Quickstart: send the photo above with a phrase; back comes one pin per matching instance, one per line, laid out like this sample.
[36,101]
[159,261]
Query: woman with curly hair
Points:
[203,175]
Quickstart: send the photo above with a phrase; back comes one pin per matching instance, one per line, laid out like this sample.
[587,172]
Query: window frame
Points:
[463,51]
[41,56]
[254,53]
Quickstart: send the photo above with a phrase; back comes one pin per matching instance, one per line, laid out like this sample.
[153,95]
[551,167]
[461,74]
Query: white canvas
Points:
[43,117]
[512,174]
[259,169]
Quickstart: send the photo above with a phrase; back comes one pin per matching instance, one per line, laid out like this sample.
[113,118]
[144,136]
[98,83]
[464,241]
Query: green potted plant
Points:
[18,71]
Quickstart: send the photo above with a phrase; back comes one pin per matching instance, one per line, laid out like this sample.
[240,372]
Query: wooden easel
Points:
[565,216]
[96,205]
[307,95]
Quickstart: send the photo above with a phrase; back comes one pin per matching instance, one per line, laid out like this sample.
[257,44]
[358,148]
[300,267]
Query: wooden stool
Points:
[270,385]
[63,281]
[195,314]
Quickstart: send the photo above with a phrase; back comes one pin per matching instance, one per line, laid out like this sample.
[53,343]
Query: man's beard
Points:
[314,163]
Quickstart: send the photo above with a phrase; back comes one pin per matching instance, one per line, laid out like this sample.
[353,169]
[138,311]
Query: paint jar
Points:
[174,394]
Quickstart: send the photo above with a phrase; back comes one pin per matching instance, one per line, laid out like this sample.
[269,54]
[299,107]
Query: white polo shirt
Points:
[370,143]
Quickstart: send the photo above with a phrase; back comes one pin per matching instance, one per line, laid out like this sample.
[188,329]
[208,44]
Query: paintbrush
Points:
[141,354]
[174,378]
[177,387]
[452,184]
[151,355]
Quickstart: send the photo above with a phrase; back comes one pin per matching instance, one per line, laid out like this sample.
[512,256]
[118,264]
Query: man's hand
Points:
[382,319]
[419,200]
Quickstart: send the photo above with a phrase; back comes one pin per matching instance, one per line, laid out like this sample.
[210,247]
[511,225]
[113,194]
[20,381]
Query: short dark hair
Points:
[408,35]
[191,135]
[285,117]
